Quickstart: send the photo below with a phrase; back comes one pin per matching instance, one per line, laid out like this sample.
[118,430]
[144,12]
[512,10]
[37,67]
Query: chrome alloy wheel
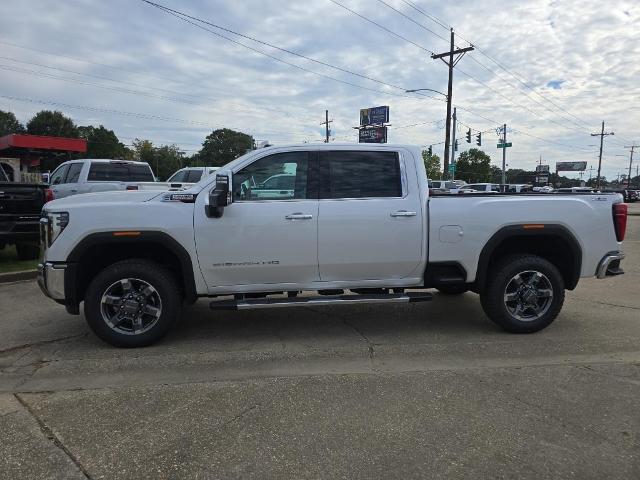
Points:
[130,306]
[528,295]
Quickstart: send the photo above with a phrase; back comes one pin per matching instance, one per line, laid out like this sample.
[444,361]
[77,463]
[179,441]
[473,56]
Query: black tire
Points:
[133,274]
[27,251]
[452,289]
[528,290]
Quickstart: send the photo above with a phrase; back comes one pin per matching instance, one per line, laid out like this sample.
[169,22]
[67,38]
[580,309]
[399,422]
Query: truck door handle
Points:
[74,190]
[403,213]
[298,216]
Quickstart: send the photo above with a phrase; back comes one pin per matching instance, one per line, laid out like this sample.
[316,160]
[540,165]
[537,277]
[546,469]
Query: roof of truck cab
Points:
[107,160]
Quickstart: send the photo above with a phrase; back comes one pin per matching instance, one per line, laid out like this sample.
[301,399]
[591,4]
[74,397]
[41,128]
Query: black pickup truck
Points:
[20,207]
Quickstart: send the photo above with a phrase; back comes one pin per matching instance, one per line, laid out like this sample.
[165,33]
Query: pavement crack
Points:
[355,328]
[48,432]
[37,344]
[238,416]
[610,304]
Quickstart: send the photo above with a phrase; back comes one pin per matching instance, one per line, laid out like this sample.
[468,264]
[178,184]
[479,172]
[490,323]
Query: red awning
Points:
[38,142]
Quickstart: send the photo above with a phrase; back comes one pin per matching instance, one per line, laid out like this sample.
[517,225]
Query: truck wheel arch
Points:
[109,248]
[551,241]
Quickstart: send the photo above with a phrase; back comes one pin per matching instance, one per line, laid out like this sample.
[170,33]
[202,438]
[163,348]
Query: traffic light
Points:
[469,136]
[455,148]
[479,139]
[430,150]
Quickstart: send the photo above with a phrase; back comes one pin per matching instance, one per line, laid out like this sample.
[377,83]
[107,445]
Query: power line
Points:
[121,81]
[435,19]
[380,26]
[460,70]
[134,92]
[413,21]
[188,19]
[134,114]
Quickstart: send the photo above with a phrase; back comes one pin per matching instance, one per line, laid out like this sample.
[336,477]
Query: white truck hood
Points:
[128,196]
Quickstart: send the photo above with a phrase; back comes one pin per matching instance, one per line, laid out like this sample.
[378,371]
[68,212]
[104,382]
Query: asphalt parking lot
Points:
[426,390]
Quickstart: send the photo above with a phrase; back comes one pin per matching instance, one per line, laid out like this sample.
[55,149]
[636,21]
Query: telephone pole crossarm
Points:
[448,54]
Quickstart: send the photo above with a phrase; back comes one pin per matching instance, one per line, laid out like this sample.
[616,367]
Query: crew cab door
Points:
[69,184]
[370,217]
[265,237]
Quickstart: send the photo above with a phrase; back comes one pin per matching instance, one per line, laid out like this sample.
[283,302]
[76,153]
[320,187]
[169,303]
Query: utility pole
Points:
[504,158]
[602,134]
[632,147]
[459,53]
[326,124]
[453,142]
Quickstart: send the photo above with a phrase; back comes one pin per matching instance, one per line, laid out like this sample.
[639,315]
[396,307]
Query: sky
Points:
[551,70]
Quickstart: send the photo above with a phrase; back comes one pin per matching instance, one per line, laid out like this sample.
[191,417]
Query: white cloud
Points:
[593,47]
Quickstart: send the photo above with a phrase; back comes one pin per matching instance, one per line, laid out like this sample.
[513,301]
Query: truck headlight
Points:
[54,223]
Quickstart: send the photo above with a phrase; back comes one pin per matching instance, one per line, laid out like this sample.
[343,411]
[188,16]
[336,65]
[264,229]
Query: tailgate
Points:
[20,199]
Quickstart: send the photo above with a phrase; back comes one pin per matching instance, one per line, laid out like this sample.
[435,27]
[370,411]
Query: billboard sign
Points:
[571,166]
[542,168]
[374,116]
[373,135]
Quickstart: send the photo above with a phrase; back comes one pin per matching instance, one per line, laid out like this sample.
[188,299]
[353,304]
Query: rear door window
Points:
[360,174]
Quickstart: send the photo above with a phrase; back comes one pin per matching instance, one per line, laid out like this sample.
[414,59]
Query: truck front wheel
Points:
[132,303]
[524,293]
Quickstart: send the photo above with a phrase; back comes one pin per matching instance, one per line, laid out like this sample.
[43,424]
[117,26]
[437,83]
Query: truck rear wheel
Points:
[524,293]
[132,303]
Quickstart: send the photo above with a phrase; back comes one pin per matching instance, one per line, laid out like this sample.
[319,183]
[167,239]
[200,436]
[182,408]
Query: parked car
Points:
[443,186]
[187,176]
[101,175]
[575,190]
[519,188]
[358,219]
[544,189]
[482,187]
[20,207]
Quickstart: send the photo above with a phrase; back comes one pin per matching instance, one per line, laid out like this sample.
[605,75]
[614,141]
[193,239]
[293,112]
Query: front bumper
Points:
[51,279]
[609,266]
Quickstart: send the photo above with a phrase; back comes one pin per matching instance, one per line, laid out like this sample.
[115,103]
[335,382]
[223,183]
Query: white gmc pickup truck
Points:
[352,224]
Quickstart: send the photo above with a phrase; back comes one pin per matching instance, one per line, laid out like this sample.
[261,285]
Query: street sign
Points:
[571,166]
[372,135]
[503,145]
[374,116]
[452,168]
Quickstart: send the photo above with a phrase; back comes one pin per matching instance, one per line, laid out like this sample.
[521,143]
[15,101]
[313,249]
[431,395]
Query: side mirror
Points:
[218,197]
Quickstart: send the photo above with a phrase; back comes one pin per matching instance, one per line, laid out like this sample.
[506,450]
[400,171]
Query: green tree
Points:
[54,124]
[9,124]
[102,143]
[223,145]
[164,160]
[474,166]
[432,165]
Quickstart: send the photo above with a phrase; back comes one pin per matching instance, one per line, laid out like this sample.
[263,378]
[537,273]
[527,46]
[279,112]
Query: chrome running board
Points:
[255,303]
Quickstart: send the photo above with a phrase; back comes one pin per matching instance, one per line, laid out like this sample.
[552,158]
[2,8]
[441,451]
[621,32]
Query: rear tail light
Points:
[48,195]
[132,187]
[620,220]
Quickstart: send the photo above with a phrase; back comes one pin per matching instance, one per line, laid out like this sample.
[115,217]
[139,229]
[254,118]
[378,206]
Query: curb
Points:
[18,276]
